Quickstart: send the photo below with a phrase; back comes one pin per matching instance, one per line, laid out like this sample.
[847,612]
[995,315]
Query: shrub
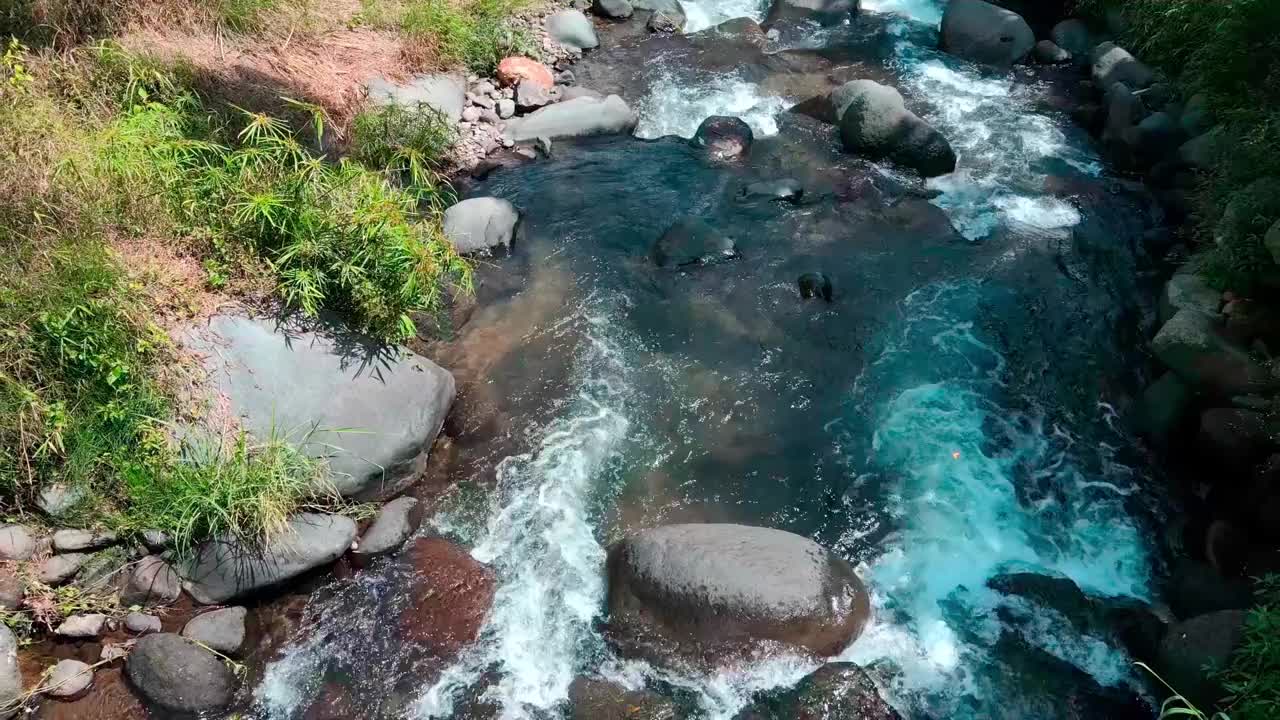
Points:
[1253,677]
[478,35]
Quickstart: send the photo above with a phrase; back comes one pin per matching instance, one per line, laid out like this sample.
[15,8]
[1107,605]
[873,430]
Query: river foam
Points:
[675,108]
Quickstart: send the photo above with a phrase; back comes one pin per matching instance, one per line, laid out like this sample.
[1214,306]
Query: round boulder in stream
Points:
[692,242]
[716,592]
[723,137]
[982,32]
[877,125]
[179,676]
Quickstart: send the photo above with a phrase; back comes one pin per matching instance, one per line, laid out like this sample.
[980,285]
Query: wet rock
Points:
[1113,64]
[616,9]
[224,569]
[664,14]
[1233,438]
[660,22]
[514,69]
[444,92]
[11,590]
[572,29]
[1193,649]
[141,623]
[1155,137]
[837,691]
[876,124]
[390,528]
[178,675]
[82,626]
[1162,407]
[580,117]
[506,108]
[76,540]
[1124,111]
[448,605]
[56,499]
[278,377]
[1073,36]
[985,33]
[16,543]
[1189,291]
[152,582]
[723,137]
[112,652]
[221,630]
[1048,53]
[715,591]
[10,673]
[815,285]
[531,96]
[691,241]
[57,569]
[593,699]
[788,189]
[69,678]
[1190,345]
[823,12]
[480,225]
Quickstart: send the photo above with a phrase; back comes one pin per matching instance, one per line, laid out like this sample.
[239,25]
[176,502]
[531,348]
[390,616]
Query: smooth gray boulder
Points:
[10,674]
[1073,36]
[69,678]
[1191,345]
[179,676]
[221,630]
[1188,290]
[152,582]
[390,528]
[713,592]
[480,225]
[985,33]
[311,386]
[615,9]
[444,92]
[57,569]
[572,29]
[225,569]
[141,623]
[823,12]
[1112,64]
[76,540]
[530,96]
[82,626]
[877,125]
[579,117]
[16,543]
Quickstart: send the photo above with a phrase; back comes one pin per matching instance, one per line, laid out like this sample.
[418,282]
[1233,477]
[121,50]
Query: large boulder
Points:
[443,92]
[1189,290]
[276,379]
[838,691]
[10,674]
[667,15]
[579,117]
[226,568]
[390,528]
[572,29]
[481,224]
[178,676]
[1191,345]
[876,124]
[824,12]
[592,699]
[985,33]
[1073,36]
[1112,64]
[723,137]
[713,592]
[691,241]
[1193,649]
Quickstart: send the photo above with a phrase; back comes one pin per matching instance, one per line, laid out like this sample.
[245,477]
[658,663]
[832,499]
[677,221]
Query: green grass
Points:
[476,35]
[1253,678]
[410,139]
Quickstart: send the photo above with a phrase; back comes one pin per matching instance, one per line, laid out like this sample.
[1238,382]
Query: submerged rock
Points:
[665,14]
[823,12]
[815,285]
[714,592]
[837,691]
[593,699]
[877,125]
[723,137]
[481,225]
[179,676]
[572,29]
[788,189]
[448,603]
[390,528]
[1162,407]
[985,33]
[443,92]
[225,569]
[579,117]
[691,241]
[1048,53]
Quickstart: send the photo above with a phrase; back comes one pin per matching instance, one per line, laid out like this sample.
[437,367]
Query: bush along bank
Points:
[1183,95]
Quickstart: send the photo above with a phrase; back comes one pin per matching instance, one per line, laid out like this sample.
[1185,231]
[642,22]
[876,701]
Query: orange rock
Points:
[450,599]
[514,69]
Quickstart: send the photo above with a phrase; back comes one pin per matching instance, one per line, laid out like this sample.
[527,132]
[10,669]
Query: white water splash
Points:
[703,14]
[672,108]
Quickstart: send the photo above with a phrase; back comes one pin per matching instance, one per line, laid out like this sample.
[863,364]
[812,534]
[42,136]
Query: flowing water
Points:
[949,417]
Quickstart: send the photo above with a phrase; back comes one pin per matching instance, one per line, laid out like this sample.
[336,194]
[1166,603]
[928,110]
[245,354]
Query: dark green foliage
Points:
[1253,679]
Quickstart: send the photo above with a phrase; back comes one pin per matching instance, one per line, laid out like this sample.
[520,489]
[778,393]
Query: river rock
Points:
[823,12]
[985,33]
[514,69]
[1196,117]
[10,673]
[1191,345]
[788,189]
[69,678]
[837,691]
[443,92]
[112,652]
[1073,36]
[815,285]
[178,675]
[1194,648]
[572,29]
[153,581]
[877,125]
[471,115]
[1196,588]
[1155,137]
[12,590]
[661,22]
[82,626]
[221,630]
[616,9]
[506,108]
[225,569]
[141,623]
[274,377]
[579,117]
[390,528]
[16,543]
[449,603]
[1124,111]
[1112,64]
[1162,407]
[1047,52]
[76,540]
[723,137]
[480,225]
[1232,438]
[1188,290]
[1202,151]
[57,499]
[714,591]
[593,699]
[57,569]
[531,96]
[664,14]
[155,540]
[691,241]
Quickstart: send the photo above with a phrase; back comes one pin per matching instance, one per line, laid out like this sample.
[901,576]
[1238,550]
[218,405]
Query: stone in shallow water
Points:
[616,9]
[838,691]
[823,12]
[723,137]
[815,285]
[572,29]
[481,225]
[221,630]
[876,124]
[82,626]
[390,529]
[448,603]
[179,676]
[593,699]
[788,189]
[579,117]
[691,241]
[985,33]
[69,678]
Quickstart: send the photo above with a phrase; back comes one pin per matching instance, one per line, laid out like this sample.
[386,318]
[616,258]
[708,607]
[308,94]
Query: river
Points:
[950,416]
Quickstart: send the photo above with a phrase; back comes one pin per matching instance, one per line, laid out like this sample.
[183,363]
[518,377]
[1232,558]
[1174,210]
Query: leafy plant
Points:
[1177,706]
[477,35]
[1252,680]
